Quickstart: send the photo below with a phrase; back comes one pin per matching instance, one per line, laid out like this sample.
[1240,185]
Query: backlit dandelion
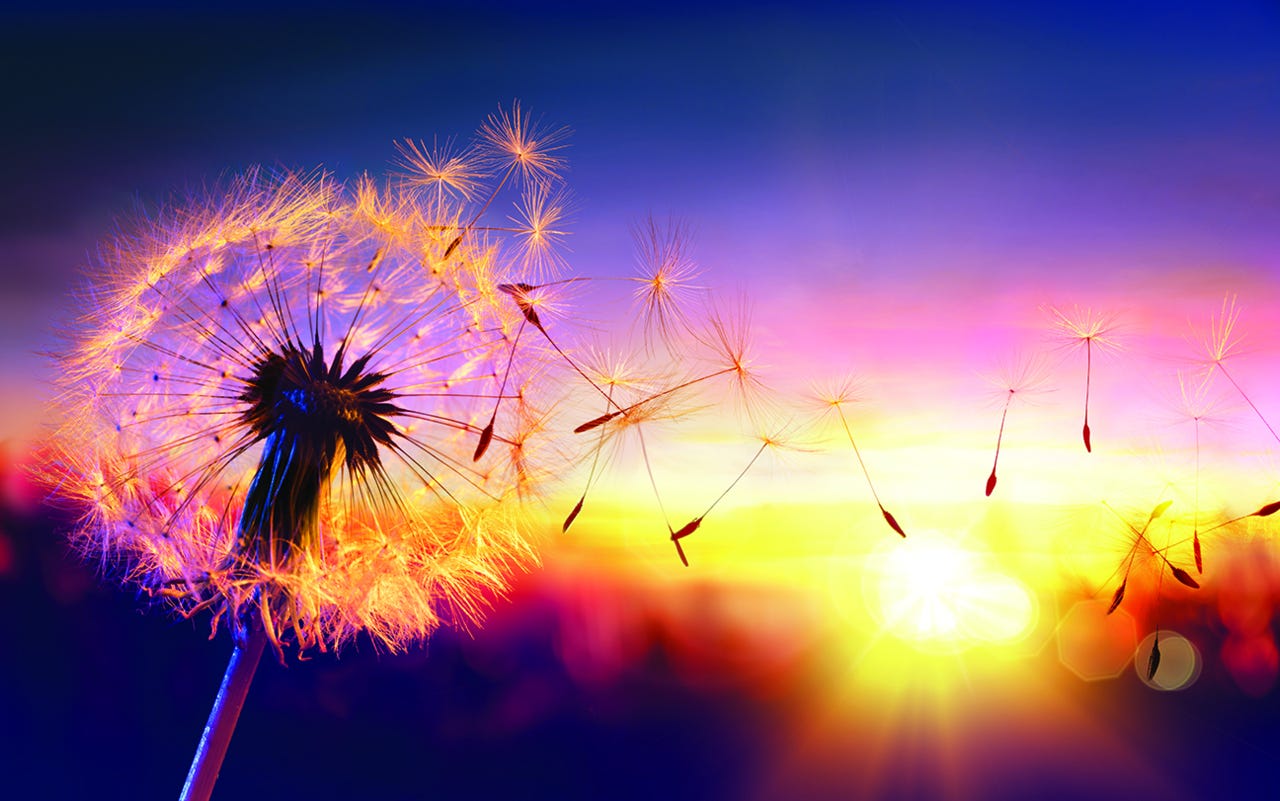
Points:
[834,398]
[1266,510]
[666,283]
[622,381]
[1142,551]
[1020,379]
[520,145]
[1093,331]
[1200,407]
[443,170]
[273,397]
[723,345]
[1220,343]
[540,228]
[775,439]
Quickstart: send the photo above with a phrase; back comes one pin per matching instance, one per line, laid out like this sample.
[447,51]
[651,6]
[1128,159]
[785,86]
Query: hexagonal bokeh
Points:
[1095,645]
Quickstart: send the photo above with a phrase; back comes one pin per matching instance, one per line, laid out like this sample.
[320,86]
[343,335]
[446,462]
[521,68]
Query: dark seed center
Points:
[314,417]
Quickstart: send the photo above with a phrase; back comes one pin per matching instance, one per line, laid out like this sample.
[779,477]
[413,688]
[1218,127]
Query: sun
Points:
[940,594]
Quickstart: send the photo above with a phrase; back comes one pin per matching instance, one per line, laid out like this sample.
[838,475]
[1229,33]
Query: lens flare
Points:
[939,594]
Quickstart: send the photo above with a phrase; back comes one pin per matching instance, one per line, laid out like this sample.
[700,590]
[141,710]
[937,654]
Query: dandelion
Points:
[1142,546]
[619,377]
[1153,661]
[442,170]
[1094,332]
[1020,379]
[1266,510]
[776,440]
[666,284]
[833,398]
[726,344]
[519,145]
[1199,407]
[1222,342]
[271,396]
[539,228]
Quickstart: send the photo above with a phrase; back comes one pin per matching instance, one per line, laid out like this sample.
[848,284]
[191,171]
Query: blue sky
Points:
[875,147]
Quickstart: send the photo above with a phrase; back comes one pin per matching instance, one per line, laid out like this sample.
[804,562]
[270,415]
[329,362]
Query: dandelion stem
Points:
[1195,522]
[1088,380]
[734,483]
[624,410]
[591,475]
[492,195]
[991,479]
[607,396]
[486,435]
[694,524]
[1256,411]
[222,718]
[893,523]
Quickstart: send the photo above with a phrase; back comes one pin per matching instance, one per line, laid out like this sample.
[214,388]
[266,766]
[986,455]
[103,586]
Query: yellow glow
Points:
[938,594]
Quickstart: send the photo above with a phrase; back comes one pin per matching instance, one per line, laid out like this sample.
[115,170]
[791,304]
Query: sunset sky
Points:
[903,193]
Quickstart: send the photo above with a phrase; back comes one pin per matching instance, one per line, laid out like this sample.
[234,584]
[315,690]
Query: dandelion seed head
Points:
[666,284]
[836,393]
[1083,326]
[624,371]
[272,395]
[728,339]
[1221,341]
[1198,402]
[442,169]
[515,141]
[540,231]
[1020,378]
[783,437]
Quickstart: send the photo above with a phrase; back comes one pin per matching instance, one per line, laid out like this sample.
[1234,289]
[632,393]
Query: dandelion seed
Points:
[616,375]
[540,230]
[1020,379]
[1199,407]
[573,514]
[1119,596]
[443,169]
[666,285]
[1094,332]
[596,422]
[1141,544]
[1184,577]
[1265,511]
[520,145]
[1153,662]
[767,441]
[835,397]
[1222,343]
[685,530]
[727,343]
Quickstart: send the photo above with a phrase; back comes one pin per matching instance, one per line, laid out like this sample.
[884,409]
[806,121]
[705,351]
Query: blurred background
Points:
[904,191]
